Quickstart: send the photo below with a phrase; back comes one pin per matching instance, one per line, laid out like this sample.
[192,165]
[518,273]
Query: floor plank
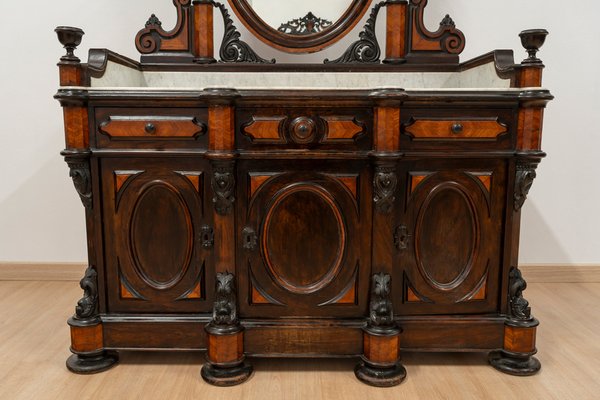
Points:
[34,342]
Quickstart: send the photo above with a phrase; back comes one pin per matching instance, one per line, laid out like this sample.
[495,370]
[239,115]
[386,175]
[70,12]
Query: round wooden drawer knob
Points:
[150,128]
[457,129]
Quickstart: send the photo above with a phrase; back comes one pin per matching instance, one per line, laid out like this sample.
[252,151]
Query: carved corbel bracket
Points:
[519,307]
[87,306]
[225,317]
[525,175]
[366,49]
[234,50]
[79,167]
[223,186]
[381,312]
[153,39]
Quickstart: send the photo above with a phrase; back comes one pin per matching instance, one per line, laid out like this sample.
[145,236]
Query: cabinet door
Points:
[156,241]
[304,239]
[449,237]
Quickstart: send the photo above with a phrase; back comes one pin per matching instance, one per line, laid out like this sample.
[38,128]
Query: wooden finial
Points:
[533,40]
[70,38]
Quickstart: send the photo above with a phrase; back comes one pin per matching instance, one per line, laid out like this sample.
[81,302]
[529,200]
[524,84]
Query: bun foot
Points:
[92,363]
[380,377]
[230,376]
[515,364]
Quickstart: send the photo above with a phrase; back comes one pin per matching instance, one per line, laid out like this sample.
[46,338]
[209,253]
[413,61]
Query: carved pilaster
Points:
[223,186]
[385,184]
[79,166]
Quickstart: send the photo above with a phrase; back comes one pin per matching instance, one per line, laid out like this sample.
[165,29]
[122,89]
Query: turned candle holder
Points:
[70,38]
[533,40]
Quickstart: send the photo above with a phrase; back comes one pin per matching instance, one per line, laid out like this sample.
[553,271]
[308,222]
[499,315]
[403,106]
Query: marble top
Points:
[483,77]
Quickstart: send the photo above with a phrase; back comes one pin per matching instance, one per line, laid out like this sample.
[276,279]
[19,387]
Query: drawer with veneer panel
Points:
[471,131]
[156,128]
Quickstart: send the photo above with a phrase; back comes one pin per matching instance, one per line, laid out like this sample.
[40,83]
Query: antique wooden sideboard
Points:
[355,208]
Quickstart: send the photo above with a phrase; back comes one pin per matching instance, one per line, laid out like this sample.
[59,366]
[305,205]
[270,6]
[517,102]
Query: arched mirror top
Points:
[300,26]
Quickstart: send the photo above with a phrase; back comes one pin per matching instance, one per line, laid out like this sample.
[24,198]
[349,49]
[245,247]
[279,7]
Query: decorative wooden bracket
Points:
[234,50]
[153,39]
[79,171]
[441,46]
[87,306]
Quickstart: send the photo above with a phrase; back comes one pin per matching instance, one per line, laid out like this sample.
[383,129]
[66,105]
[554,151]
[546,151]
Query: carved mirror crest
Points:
[300,26]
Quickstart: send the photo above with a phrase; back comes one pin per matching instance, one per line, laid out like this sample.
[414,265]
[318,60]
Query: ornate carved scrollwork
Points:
[233,49]
[79,171]
[381,314]
[87,306]
[305,26]
[524,180]
[519,307]
[447,38]
[366,49]
[153,38]
[384,187]
[223,186]
[225,306]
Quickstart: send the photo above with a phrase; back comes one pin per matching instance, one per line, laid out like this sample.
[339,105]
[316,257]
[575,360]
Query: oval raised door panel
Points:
[446,236]
[161,235]
[303,239]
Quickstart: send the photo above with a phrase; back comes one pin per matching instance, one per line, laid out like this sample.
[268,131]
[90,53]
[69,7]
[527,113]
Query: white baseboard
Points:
[549,273]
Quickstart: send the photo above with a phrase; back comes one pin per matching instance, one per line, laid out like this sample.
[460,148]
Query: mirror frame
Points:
[301,43]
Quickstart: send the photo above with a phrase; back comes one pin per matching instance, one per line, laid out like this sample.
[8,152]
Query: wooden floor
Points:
[34,342]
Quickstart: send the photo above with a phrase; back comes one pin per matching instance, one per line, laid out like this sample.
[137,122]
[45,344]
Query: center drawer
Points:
[300,128]
[155,128]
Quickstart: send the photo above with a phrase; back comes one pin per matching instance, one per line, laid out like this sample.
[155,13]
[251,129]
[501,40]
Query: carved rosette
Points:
[381,313]
[384,188]
[79,171]
[234,50]
[524,180]
[225,306]
[223,186]
[366,49]
[519,307]
[87,306]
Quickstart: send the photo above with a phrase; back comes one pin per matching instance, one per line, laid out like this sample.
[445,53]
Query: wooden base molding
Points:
[533,273]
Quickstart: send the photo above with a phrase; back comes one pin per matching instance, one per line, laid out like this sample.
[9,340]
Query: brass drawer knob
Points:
[457,128]
[150,128]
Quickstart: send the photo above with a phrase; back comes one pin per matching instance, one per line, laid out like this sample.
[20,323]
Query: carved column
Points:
[516,356]
[380,364]
[87,343]
[225,354]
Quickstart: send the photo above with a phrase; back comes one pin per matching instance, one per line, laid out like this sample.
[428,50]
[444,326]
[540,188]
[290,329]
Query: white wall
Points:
[41,218]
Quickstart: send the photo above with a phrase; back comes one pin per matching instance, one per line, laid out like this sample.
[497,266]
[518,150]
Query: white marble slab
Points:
[482,77]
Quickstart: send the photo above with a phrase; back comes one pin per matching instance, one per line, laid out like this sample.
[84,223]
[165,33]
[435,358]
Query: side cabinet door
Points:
[303,239]
[449,237]
[157,238]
